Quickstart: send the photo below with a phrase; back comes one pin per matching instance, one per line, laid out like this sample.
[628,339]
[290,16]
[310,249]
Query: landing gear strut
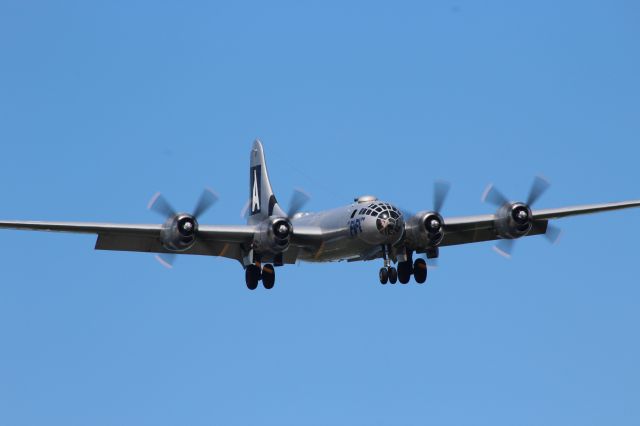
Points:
[387,273]
[406,268]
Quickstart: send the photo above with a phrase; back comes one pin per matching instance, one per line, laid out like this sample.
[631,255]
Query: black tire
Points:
[252,276]
[393,275]
[420,271]
[268,276]
[404,272]
[384,276]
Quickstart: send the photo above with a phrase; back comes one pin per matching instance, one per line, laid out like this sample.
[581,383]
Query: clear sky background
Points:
[102,104]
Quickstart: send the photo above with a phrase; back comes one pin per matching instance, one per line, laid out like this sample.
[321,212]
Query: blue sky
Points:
[102,104]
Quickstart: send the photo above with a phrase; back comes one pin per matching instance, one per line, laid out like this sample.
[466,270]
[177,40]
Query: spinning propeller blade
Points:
[166,259]
[299,199]
[245,209]
[539,187]
[160,205]
[492,195]
[207,199]
[433,263]
[553,234]
[504,248]
[440,191]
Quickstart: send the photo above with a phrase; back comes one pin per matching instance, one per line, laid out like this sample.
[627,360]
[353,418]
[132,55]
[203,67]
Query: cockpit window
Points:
[389,219]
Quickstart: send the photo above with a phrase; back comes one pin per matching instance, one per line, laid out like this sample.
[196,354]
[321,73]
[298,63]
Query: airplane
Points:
[364,230]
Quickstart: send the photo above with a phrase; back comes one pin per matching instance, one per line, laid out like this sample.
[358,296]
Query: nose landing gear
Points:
[387,273]
[384,276]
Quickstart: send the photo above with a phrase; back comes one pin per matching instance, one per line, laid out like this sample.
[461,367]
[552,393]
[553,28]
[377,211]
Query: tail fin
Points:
[262,201]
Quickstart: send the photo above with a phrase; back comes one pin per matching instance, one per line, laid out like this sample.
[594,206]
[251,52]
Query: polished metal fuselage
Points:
[349,233]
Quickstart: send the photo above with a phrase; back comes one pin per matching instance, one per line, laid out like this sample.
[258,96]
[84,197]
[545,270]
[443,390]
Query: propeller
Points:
[166,259]
[159,204]
[440,191]
[492,195]
[553,234]
[298,200]
[433,263]
[538,187]
[504,248]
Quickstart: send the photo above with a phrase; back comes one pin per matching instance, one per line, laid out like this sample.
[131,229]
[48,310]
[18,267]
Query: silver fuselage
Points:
[357,231]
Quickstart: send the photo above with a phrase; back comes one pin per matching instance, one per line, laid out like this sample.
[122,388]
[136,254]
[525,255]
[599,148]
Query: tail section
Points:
[262,201]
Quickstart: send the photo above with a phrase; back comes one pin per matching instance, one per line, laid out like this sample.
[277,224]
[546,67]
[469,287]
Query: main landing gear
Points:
[253,275]
[406,269]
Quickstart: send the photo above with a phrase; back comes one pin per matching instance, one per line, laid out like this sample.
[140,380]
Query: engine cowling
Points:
[179,232]
[425,229]
[514,220]
[273,236]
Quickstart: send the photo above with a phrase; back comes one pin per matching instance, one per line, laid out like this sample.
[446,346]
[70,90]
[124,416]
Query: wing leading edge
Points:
[473,229]
[229,241]
[226,241]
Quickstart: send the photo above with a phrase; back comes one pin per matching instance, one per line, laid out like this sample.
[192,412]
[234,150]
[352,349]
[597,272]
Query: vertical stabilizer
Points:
[262,201]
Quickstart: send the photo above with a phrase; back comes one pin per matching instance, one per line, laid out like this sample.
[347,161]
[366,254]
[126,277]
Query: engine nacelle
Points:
[179,232]
[514,220]
[273,236]
[425,229]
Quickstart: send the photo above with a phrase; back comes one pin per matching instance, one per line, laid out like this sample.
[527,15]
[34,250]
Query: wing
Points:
[473,229]
[587,209]
[225,241]
[476,229]
[230,241]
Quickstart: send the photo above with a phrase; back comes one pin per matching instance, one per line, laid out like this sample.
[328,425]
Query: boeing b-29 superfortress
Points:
[366,229]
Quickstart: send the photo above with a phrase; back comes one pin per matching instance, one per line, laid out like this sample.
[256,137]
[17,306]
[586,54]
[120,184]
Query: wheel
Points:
[252,276]
[384,276]
[420,270]
[268,276]
[393,275]
[404,272]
